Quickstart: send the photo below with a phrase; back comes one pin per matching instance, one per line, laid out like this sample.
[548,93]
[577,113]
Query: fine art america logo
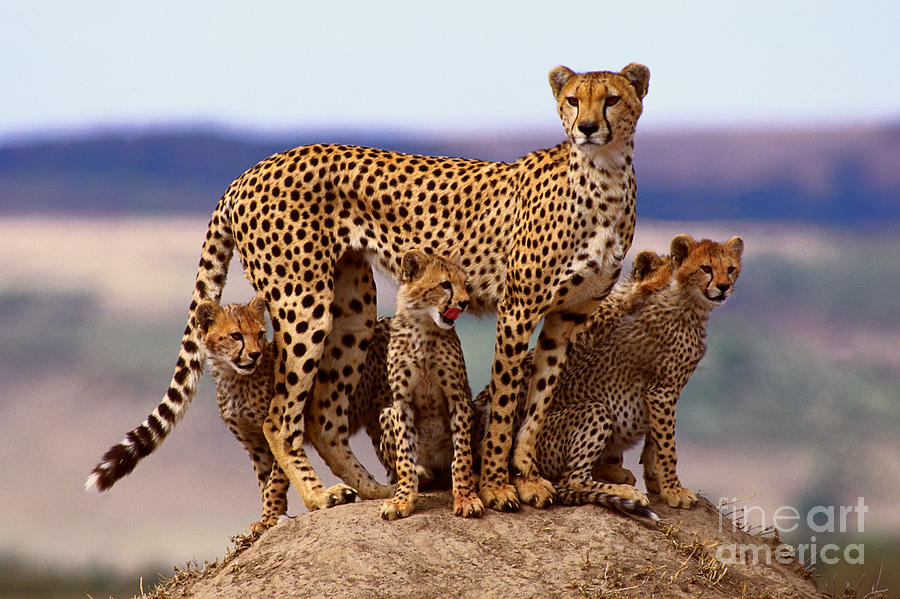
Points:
[821,519]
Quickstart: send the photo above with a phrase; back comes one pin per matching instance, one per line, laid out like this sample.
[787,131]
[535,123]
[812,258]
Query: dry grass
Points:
[193,572]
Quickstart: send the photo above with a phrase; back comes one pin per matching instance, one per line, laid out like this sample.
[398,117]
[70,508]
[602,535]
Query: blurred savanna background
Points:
[120,127]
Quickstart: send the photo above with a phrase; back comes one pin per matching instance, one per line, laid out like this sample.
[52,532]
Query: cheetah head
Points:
[234,335]
[707,269]
[599,110]
[433,287]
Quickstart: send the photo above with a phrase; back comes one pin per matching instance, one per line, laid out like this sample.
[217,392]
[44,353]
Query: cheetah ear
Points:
[258,305]
[644,264]
[411,266]
[682,245]
[639,77]
[558,77]
[736,245]
[206,313]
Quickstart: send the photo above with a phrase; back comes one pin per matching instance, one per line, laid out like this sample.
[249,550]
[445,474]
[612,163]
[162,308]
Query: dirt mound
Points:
[350,552]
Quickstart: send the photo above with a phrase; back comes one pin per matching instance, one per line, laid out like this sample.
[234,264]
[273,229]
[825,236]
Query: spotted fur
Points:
[540,238]
[573,431]
[621,384]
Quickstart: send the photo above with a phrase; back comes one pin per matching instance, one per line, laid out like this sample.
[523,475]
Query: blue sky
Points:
[446,67]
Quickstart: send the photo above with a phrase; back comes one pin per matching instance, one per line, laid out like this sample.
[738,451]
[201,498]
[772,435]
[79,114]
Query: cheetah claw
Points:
[535,491]
[467,504]
[395,508]
[341,494]
[502,498]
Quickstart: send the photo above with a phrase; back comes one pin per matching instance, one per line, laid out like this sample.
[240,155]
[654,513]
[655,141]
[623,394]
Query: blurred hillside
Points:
[838,175]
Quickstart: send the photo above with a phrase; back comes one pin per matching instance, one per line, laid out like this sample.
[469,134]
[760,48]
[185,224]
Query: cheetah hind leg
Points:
[353,311]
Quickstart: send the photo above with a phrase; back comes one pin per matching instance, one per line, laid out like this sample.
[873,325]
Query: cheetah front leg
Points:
[353,310]
[661,460]
[466,502]
[399,422]
[274,496]
[513,333]
[549,357]
[273,484]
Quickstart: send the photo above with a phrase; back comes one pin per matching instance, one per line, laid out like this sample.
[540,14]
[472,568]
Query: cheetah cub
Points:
[242,364]
[431,407]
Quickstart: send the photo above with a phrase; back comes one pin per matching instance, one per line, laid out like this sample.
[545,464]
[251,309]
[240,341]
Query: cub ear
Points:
[411,265]
[558,77]
[736,245]
[644,264]
[639,77]
[258,305]
[206,313]
[681,246]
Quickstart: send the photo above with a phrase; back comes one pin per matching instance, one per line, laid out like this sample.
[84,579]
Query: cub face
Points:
[234,335]
[432,287]
[599,109]
[708,268]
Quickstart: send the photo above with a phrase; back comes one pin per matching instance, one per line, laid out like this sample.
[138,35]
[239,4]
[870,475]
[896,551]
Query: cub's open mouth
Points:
[449,317]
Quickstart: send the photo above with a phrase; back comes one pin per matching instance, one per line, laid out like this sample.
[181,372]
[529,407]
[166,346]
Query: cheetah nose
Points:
[723,287]
[588,128]
[255,355]
[463,305]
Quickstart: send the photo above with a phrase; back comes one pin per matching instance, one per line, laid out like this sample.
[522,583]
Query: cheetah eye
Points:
[261,336]
[446,285]
[706,268]
[573,101]
[612,100]
[237,336]
[731,270]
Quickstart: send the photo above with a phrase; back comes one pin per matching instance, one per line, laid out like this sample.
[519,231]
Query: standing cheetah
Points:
[540,238]
[428,380]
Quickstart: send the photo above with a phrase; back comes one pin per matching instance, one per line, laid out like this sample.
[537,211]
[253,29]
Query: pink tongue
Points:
[452,314]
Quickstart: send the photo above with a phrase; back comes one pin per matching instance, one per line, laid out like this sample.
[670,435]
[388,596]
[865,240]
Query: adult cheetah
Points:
[539,238]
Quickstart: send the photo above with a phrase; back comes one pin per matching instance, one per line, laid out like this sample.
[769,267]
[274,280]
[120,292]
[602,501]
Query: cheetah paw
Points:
[535,490]
[629,492]
[502,497]
[613,474]
[467,504]
[395,508]
[339,495]
[257,528]
[679,497]
[330,497]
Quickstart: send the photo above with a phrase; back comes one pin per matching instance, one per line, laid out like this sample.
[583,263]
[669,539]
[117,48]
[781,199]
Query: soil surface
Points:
[589,551]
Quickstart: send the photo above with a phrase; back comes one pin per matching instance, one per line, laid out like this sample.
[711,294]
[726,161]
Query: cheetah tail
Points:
[631,507]
[140,442]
